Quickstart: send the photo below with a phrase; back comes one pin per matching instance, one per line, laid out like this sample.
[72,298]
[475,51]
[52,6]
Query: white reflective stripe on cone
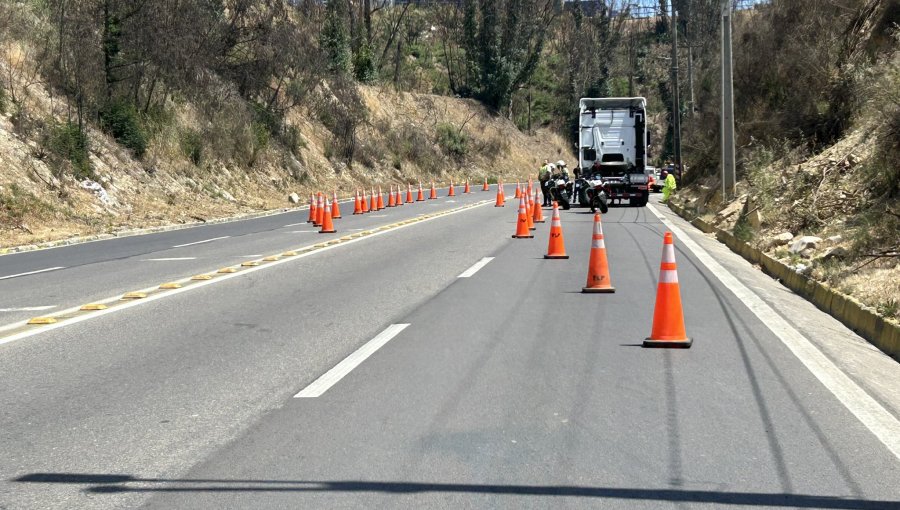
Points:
[598,243]
[668,276]
[668,253]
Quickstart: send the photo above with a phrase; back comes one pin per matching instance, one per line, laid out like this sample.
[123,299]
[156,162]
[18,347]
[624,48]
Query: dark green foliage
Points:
[452,141]
[335,37]
[121,120]
[364,65]
[2,100]
[69,142]
[191,143]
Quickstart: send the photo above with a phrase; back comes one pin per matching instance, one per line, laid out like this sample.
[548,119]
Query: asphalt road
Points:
[506,389]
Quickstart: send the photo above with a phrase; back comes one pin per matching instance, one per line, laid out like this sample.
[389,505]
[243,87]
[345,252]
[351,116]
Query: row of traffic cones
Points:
[668,316]
[323,212]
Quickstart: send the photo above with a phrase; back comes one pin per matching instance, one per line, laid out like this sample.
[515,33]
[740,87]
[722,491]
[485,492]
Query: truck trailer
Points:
[613,151]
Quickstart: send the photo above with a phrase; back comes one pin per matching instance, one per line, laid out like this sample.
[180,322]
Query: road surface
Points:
[504,388]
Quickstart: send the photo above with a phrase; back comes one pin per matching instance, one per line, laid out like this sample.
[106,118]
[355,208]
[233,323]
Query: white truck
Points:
[612,152]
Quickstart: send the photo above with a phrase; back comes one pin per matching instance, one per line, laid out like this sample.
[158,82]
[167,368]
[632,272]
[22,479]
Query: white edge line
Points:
[31,272]
[866,409]
[200,242]
[27,309]
[474,269]
[169,259]
[200,284]
[339,371]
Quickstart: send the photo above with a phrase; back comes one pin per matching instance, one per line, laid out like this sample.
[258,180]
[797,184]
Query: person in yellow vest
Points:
[669,187]
[544,179]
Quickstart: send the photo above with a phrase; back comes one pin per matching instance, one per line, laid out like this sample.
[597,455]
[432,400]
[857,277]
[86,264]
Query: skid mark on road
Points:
[867,410]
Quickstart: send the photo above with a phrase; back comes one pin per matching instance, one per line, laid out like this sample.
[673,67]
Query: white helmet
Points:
[561,163]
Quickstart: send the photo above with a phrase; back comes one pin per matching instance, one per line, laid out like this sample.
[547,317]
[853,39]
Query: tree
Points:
[335,38]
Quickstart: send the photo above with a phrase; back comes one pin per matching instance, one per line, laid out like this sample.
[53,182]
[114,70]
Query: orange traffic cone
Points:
[373,202]
[598,267]
[391,202]
[451,193]
[433,194]
[485,187]
[538,211]
[421,196]
[320,211]
[312,209]
[522,231]
[668,317]
[380,199]
[357,205]
[501,201]
[556,248]
[409,198]
[466,190]
[518,190]
[335,209]
[530,210]
[327,224]
[399,200]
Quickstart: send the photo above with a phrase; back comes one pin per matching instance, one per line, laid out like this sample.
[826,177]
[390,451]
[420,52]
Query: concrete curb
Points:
[877,330]
[142,231]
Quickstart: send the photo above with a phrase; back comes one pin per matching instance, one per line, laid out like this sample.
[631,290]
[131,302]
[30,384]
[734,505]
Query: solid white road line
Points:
[200,242]
[866,409]
[28,309]
[170,259]
[330,378]
[474,269]
[30,272]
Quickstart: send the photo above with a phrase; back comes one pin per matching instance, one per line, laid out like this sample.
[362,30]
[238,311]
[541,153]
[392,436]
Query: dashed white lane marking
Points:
[170,259]
[866,409]
[200,242]
[304,231]
[31,272]
[28,309]
[295,224]
[474,269]
[330,378]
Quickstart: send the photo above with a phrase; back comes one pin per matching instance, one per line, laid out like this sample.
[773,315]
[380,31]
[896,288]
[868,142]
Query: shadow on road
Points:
[115,484]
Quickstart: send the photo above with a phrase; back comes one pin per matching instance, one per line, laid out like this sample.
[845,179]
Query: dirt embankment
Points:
[399,137]
[818,214]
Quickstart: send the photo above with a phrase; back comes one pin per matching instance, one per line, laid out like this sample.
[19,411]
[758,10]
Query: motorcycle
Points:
[596,194]
[561,190]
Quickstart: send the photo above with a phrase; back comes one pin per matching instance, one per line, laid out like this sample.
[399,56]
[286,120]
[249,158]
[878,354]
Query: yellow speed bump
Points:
[135,295]
[170,285]
[227,270]
[42,320]
[289,254]
[201,277]
[251,263]
[273,258]
[92,307]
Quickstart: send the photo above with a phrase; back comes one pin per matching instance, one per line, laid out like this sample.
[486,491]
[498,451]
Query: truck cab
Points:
[613,146]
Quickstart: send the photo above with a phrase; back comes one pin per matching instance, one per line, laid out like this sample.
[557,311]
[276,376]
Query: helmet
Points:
[560,163]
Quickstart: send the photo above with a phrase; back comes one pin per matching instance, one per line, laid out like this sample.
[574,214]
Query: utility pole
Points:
[690,49]
[676,102]
[727,121]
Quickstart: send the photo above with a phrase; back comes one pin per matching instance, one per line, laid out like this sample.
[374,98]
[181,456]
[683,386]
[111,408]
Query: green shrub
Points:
[364,65]
[452,141]
[191,143]
[70,143]
[121,120]
[16,203]
[2,100]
